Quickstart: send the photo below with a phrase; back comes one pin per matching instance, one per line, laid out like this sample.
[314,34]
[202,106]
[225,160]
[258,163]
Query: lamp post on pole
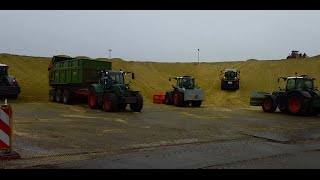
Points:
[198,55]
[110,53]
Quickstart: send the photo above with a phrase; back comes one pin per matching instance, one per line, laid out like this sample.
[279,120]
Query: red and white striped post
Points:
[6,123]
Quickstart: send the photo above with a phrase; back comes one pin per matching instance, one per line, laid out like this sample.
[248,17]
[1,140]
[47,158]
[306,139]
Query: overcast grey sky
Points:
[154,35]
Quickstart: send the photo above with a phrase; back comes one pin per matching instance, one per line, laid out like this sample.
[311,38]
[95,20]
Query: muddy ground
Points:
[51,135]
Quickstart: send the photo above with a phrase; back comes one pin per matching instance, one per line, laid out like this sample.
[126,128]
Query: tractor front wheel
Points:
[167,99]
[93,99]
[139,103]
[177,98]
[269,105]
[110,102]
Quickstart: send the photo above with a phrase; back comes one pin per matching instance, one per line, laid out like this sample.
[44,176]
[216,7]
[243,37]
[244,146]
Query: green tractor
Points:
[184,92]
[230,79]
[9,87]
[112,94]
[298,98]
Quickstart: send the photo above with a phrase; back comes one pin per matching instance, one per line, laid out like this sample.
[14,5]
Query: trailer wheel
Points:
[138,105]
[177,98]
[196,103]
[52,95]
[66,96]
[110,102]
[269,104]
[92,98]
[167,99]
[59,96]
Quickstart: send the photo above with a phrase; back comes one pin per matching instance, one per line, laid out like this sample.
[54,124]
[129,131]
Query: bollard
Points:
[6,123]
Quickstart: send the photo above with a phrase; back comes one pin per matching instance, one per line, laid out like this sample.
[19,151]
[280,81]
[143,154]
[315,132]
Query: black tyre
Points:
[59,96]
[15,96]
[110,102]
[93,99]
[177,98]
[297,104]
[167,99]
[52,95]
[66,96]
[196,103]
[138,105]
[269,104]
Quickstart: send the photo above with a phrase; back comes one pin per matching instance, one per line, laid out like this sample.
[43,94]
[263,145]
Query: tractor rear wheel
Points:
[167,99]
[269,104]
[177,98]
[66,96]
[196,103]
[93,99]
[110,102]
[59,96]
[138,105]
[52,95]
[297,104]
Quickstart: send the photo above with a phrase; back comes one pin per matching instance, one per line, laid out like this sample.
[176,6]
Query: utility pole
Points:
[110,53]
[198,55]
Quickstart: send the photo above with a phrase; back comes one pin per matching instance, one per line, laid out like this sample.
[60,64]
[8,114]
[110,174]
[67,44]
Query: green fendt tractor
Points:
[9,87]
[112,94]
[230,79]
[298,98]
[185,92]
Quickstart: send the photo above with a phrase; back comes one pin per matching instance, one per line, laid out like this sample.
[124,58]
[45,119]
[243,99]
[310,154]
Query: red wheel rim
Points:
[91,99]
[176,97]
[106,103]
[267,104]
[294,104]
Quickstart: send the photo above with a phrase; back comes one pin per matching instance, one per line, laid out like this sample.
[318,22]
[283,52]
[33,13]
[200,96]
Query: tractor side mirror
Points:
[169,79]
[132,75]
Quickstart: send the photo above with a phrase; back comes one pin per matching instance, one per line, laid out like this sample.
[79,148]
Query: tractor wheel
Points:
[297,104]
[59,96]
[93,99]
[222,85]
[66,96]
[269,104]
[52,95]
[122,106]
[138,105]
[110,102]
[196,103]
[167,99]
[177,98]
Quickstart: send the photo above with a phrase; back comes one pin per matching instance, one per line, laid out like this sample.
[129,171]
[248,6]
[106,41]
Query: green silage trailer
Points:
[70,78]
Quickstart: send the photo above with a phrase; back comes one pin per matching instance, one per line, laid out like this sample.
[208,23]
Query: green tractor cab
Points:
[9,87]
[184,92]
[299,97]
[112,94]
[230,79]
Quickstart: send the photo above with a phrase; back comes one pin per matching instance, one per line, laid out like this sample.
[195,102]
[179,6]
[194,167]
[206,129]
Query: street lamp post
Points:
[110,53]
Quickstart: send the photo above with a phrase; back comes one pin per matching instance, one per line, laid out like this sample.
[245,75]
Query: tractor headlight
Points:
[235,78]
[183,88]
[14,80]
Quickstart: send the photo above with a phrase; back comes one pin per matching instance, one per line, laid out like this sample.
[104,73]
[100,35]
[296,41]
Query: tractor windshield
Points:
[3,71]
[187,83]
[300,83]
[230,74]
[117,78]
